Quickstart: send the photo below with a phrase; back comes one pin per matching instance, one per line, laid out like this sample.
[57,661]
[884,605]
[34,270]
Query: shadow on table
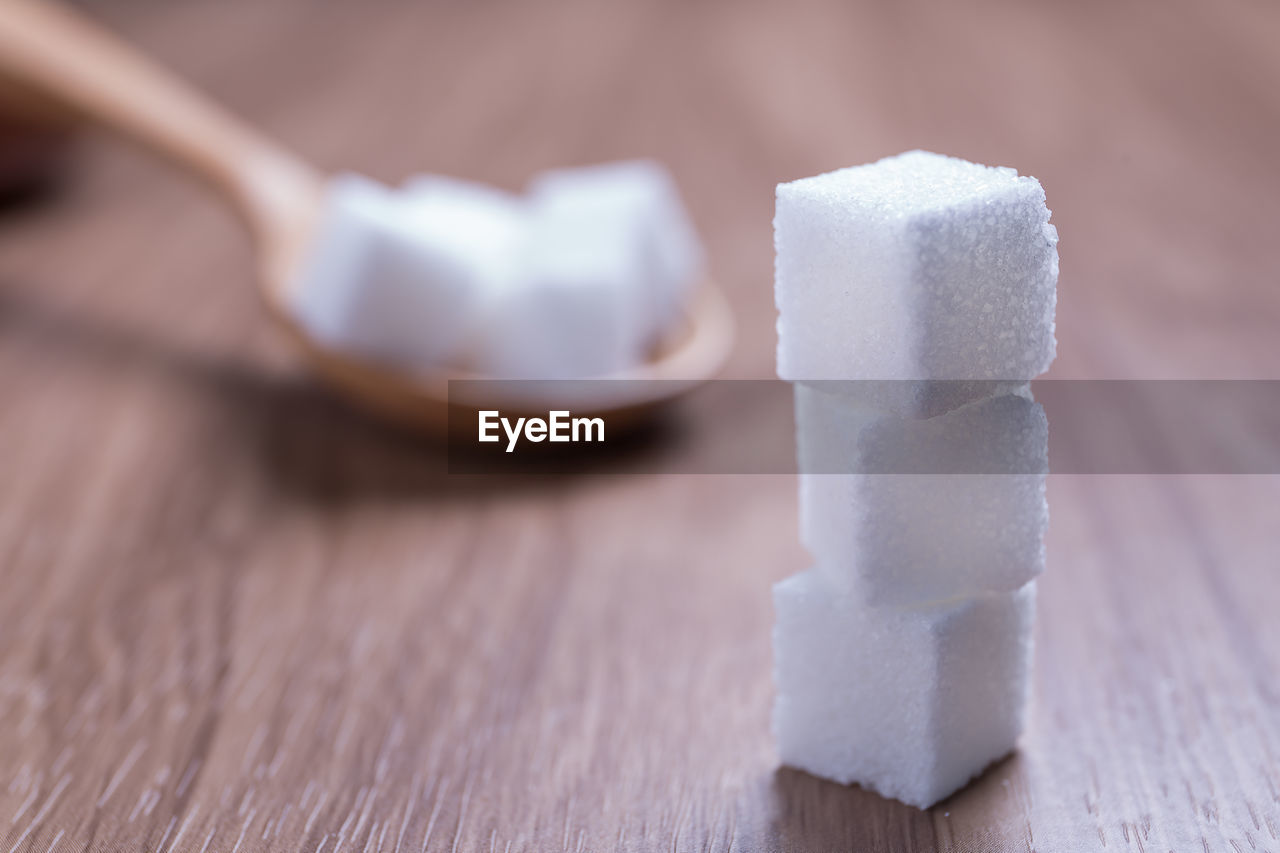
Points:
[809,813]
[305,441]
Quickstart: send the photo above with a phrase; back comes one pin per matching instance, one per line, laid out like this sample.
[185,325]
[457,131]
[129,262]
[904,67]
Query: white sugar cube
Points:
[430,189]
[574,309]
[911,510]
[915,267]
[911,398]
[640,197]
[581,278]
[482,223]
[399,279]
[911,704]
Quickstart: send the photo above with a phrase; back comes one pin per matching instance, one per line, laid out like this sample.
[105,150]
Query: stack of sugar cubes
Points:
[580,276]
[916,298]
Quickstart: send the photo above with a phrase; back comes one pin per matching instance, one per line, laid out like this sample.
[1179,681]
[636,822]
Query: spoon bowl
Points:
[435,399]
[279,197]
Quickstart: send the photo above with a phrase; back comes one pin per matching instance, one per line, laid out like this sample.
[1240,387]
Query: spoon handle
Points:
[55,51]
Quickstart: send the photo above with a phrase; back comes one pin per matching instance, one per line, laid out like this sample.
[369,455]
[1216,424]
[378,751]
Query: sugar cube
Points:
[640,197]
[909,703]
[486,225]
[576,306]
[909,510]
[399,280]
[921,398]
[915,267]
[579,278]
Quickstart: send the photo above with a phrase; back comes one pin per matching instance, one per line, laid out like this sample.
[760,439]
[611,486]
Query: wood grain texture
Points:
[238,617]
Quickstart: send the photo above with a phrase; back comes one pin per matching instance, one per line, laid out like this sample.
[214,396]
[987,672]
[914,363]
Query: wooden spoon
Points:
[279,197]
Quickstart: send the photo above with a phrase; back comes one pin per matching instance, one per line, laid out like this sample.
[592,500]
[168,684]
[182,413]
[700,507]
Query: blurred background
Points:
[239,614]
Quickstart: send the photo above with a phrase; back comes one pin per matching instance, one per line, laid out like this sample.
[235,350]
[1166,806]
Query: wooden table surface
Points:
[238,617]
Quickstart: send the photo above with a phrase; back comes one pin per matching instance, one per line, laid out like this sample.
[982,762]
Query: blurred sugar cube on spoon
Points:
[576,305]
[387,295]
[579,277]
[392,277]
[638,195]
[487,224]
